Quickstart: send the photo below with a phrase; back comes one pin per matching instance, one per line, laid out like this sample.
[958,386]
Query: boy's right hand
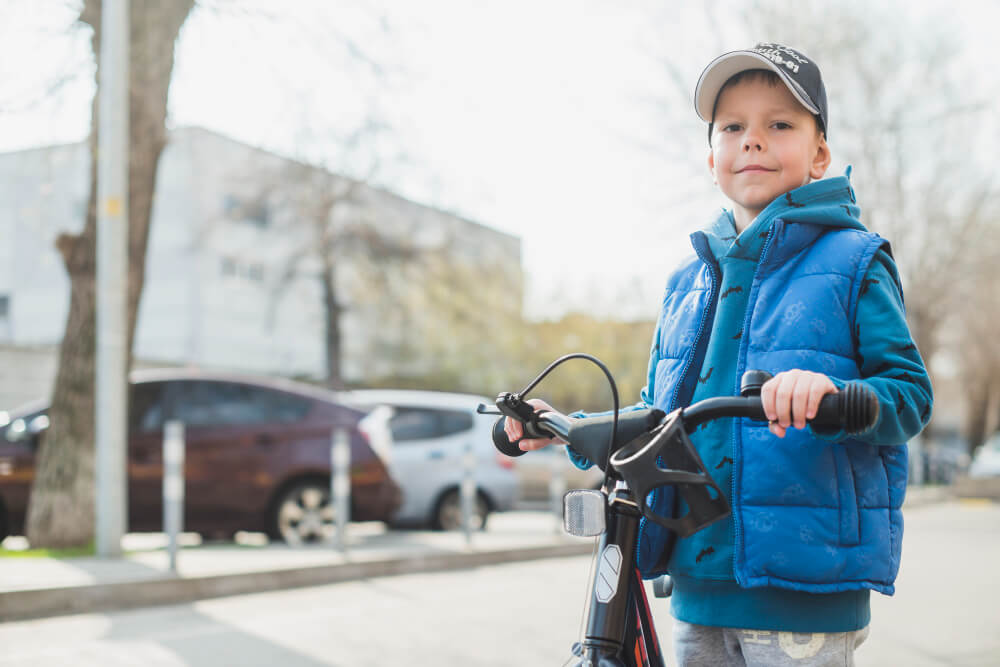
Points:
[515,429]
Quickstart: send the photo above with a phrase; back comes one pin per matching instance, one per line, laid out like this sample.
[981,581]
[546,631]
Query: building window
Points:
[255,272]
[252,211]
[233,267]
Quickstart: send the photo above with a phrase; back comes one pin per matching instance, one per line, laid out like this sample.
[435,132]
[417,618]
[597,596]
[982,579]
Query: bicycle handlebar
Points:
[855,409]
[652,449]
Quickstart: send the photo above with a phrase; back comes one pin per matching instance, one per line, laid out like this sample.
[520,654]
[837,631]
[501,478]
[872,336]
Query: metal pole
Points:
[340,484]
[173,487]
[468,490]
[557,488]
[112,252]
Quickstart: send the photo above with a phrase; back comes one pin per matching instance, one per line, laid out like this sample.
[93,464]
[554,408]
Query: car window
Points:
[424,423]
[205,403]
[26,427]
[146,409]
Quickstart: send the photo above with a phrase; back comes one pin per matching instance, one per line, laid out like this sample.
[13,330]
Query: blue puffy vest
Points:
[810,514]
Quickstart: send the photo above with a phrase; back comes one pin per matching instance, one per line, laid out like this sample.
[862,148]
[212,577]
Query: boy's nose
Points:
[752,140]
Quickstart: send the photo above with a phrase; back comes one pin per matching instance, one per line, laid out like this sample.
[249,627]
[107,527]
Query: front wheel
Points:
[304,514]
[448,512]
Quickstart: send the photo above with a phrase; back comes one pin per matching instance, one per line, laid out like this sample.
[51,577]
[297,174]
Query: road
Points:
[945,613]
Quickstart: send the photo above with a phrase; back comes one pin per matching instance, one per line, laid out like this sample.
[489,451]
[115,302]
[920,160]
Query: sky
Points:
[535,118]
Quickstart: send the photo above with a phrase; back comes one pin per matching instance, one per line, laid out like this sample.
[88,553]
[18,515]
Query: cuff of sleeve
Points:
[580,461]
[577,459]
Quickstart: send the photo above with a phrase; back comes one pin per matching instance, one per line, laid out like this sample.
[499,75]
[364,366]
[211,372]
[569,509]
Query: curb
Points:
[43,602]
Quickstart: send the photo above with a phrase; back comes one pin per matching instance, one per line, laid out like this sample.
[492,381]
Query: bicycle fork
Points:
[619,630]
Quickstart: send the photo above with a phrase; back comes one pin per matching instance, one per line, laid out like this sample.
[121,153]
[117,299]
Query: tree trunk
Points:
[977,406]
[332,337]
[61,508]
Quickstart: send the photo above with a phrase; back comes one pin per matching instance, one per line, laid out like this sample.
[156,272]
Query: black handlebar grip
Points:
[854,408]
[502,442]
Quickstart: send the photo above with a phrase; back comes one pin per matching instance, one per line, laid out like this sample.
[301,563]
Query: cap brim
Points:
[725,66]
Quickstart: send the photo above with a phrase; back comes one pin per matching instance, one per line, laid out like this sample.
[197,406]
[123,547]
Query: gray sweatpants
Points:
[701,645]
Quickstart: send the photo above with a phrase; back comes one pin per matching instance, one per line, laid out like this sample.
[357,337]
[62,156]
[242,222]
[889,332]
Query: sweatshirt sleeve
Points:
[888,358]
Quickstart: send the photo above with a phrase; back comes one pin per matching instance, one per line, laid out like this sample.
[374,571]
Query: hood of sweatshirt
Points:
[820,205]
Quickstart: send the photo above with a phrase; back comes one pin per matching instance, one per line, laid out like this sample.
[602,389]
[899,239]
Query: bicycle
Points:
[640,451]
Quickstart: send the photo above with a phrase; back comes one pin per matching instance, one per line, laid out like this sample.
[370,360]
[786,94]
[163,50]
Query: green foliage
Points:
[70,552]
[485,360]
[579,384]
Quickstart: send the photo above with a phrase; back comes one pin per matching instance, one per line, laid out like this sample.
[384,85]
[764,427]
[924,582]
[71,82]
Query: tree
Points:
[578,384]
[975,343]
[61,510]
[329,220]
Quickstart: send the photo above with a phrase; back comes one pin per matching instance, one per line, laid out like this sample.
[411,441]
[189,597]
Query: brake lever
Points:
[511,405]
[484,409]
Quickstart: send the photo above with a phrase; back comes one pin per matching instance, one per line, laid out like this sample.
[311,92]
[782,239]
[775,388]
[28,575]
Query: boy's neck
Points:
[743,217]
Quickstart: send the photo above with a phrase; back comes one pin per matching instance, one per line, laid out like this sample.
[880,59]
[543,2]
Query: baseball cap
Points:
[798,72]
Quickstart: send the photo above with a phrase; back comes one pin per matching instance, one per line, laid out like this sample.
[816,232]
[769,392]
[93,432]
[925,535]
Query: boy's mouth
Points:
[753,167]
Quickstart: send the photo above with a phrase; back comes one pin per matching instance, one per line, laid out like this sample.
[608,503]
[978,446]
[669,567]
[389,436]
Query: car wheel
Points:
[304,514]
[448,512]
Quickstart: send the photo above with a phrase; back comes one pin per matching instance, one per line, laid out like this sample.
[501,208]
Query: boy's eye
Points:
[732,127]
[781,125]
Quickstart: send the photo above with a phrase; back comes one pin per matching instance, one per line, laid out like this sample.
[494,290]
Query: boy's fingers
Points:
[783,398]
[800,401]
[816,393]
[776,429]
[767,399]
[513,429]
[533,444]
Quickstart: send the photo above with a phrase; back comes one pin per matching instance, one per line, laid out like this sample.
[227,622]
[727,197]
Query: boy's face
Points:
[764,144]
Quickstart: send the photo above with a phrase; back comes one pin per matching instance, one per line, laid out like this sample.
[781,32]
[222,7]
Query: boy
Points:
[790,282]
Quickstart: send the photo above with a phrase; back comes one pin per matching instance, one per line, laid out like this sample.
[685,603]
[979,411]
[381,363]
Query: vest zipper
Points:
[705,315]
[740,368]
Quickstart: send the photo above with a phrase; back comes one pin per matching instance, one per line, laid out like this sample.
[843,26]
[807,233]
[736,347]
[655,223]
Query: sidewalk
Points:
[36,587]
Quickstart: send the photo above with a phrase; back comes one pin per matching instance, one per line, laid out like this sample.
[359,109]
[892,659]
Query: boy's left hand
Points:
[792,397]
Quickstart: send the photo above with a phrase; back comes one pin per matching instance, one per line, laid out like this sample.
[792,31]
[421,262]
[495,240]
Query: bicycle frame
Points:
[619,628]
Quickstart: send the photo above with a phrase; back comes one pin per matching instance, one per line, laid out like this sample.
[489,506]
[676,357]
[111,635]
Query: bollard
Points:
[173,487]
[468,490]
[340,484]
[557,488]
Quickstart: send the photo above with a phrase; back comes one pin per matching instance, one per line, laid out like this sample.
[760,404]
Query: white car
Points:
[430,432]
[986,461]
[536,469]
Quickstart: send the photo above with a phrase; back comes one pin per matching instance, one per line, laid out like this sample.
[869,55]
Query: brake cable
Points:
[611,381]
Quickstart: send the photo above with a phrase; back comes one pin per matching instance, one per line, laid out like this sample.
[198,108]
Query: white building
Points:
[221,238]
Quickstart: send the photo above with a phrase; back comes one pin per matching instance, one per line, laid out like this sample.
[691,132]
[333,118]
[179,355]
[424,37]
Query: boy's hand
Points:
[515,429]
[792,397]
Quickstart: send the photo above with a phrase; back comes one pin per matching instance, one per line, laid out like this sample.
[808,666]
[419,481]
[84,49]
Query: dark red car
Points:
[257,456]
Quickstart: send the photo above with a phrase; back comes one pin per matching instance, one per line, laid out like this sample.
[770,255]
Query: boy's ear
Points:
[821,160]
[711,164]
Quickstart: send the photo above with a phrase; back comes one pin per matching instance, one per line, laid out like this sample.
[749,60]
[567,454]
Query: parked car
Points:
[430,433]
[257,456]
[536,469]
[986,460]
